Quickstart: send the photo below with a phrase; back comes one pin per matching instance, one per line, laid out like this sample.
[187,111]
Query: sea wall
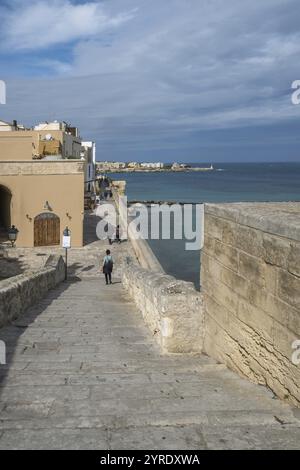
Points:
[250,281]
[142,250]
[171,309]
[20,292]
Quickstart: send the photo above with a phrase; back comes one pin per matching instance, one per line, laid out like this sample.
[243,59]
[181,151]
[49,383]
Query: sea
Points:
[228,182]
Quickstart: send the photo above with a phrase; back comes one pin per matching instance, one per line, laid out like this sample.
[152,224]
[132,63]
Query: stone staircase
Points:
[83,372]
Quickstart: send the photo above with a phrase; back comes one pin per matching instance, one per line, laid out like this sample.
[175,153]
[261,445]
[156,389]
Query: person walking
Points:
[118,239]
[108,267]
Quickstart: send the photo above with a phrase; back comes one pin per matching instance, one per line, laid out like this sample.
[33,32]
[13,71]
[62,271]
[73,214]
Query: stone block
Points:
[283,313]
[226,255]
[254,317]
[256,296]
[230,233]
[217,311]
[251,268]
[289,288]
[249,240]
[234,281]
[210,267]
[283,339]
[276,250]
[213,226]
[221,293]
[209,245]
[293,261]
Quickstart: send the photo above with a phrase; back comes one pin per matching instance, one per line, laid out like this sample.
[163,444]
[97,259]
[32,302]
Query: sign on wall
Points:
[66,242]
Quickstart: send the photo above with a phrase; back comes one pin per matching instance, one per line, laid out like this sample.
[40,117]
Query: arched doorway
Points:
[46,229]
[5,211]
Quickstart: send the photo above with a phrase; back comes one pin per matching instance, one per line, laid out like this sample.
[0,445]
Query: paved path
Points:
[84,373]
[82,262]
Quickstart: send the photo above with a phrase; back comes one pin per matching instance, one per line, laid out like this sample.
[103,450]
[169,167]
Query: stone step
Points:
[85,372]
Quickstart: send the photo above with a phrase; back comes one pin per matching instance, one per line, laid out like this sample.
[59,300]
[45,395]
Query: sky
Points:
[159,80]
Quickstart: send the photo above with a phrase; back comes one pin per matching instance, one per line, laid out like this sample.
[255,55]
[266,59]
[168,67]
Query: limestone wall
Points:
[20,292]
[142,249]
[172,309]
[9,268]
[250,277]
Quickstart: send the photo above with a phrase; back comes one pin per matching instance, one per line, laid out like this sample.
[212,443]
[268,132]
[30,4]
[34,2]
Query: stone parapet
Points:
[250,280]
[142,249]
[20,292]
[172,309]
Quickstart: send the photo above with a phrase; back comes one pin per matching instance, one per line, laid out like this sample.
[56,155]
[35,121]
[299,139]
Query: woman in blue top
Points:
[108,266]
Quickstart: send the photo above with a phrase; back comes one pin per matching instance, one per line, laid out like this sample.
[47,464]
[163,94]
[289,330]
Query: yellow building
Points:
[40,196]
[52,140]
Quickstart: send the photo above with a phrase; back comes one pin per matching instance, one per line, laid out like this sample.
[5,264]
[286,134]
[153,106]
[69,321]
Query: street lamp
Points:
[13,235]
[66,245]
[67,232]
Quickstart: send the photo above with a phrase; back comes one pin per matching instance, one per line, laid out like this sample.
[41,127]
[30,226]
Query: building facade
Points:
[88,154]
[50,141]
[40,196]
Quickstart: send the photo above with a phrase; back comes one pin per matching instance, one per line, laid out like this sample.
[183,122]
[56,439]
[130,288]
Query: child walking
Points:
[108,267]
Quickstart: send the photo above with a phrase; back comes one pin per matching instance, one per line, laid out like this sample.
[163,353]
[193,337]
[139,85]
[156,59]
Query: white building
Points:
[8,126]
[57,126]
[68,136]
[88,153]
[152,166]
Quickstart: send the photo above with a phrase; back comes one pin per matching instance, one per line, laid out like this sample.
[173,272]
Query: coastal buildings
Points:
[110,166]
[58,139]
[147,167]
[133,165]
[41,183]
[50,141]
[152,166]
[130,166]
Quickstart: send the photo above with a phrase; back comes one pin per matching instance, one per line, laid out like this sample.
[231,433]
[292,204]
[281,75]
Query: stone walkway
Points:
[82,262]
[84,373]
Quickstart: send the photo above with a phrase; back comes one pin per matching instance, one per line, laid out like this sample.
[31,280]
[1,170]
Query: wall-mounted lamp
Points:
[68,215]
[28,217]
[13,235]
[47,206]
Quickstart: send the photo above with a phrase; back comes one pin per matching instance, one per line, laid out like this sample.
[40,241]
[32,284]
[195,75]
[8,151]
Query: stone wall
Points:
[250,277]
[9,268]
[20,292]
[172,309]
[142,249]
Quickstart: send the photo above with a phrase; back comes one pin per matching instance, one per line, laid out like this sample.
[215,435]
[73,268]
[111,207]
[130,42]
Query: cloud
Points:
[176,73]
[40,24]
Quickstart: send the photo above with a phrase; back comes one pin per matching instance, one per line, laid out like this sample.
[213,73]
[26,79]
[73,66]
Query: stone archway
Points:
[46,229]
[5,211]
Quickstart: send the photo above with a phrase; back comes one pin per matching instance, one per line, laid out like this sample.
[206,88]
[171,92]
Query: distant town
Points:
[123,167]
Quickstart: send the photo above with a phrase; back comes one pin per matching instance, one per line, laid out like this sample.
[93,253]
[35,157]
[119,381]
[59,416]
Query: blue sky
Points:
[190,80]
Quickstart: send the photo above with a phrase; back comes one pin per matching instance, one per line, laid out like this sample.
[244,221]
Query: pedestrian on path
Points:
[116,235]
[108,267]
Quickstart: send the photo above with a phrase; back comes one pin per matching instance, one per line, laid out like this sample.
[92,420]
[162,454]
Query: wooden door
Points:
[46,230]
